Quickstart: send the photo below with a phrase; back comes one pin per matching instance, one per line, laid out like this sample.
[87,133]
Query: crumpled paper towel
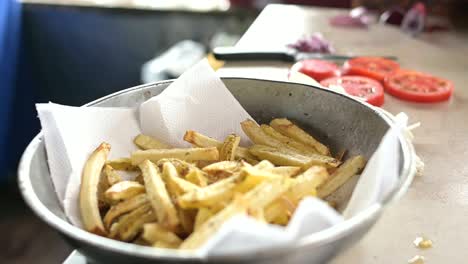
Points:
[72,133]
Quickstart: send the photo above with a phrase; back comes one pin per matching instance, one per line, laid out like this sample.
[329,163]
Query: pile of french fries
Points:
[179,197]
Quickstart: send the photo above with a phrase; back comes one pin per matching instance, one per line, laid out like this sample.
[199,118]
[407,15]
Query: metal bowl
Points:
[337,120]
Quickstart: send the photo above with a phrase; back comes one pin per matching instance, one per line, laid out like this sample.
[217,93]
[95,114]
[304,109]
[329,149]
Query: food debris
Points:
[423,243]
[416,260]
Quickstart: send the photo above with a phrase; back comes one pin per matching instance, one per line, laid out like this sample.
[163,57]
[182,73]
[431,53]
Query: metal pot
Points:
[336,119]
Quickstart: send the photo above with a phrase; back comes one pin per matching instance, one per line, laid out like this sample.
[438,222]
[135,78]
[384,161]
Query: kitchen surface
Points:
[435,205]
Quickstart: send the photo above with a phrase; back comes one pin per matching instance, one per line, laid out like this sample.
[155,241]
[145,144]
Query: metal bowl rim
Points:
[322,237]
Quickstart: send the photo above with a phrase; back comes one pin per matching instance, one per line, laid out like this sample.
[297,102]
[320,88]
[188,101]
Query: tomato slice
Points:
[373,67]
[371,90]
[418,87]
[316,69]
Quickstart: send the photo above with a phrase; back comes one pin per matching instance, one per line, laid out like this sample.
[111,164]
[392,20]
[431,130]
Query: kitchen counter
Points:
[436,204]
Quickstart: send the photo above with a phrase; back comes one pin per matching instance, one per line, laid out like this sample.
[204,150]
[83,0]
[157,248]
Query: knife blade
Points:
[287,55]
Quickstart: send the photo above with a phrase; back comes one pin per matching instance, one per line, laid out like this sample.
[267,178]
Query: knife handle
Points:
[232,53]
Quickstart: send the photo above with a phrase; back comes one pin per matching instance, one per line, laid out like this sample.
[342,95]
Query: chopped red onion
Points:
[314,43]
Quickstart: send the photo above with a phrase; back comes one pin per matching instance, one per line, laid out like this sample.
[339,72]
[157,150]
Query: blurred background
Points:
[74,51]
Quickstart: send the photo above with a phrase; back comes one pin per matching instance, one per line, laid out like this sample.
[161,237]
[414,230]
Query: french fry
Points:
[123,164]
[123,208]
[158,196]
[197,177]
[146,142]
[256,134]
[112,176]
[254,176]
[190,154]
[181,166]
[203,141]
[211,194]
[285,158]
[154,232]
[266,192]
[221,170]
[300,147]
[264,164]
[287,128]
[103,185]
[129,232]
[277,213]
[126,221]
[208,228]
[123,190]
[286,171]
[307,183]
[89,209]
[175,185]
[203,215]
[229,147]
[348,169]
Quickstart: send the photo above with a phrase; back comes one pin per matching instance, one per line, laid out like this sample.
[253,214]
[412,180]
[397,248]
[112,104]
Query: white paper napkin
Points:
[197,100]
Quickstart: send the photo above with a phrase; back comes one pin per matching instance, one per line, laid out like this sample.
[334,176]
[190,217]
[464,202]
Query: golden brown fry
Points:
[307,183]
[202,216]
[123,208]
[124,164]
[278,212]
[208,228]
[90,215]
[350,167]
[181,166]
[287,128]
[300,147]
[211,194]
[103,185]
[112,176]
[127,221]
[154,232]
[221,170]
[286,158]
[256,134]
[146,142]
[123,190]
[129,231]
[191,154]
[254,176]
[175,185]
[229,147]
[267,191]
[203,141]
[197,177]
[158,196]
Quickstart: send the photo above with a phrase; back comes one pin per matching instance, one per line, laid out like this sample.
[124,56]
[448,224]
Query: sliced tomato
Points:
[366,88]
[418,87]
[316,69]
[373,67]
